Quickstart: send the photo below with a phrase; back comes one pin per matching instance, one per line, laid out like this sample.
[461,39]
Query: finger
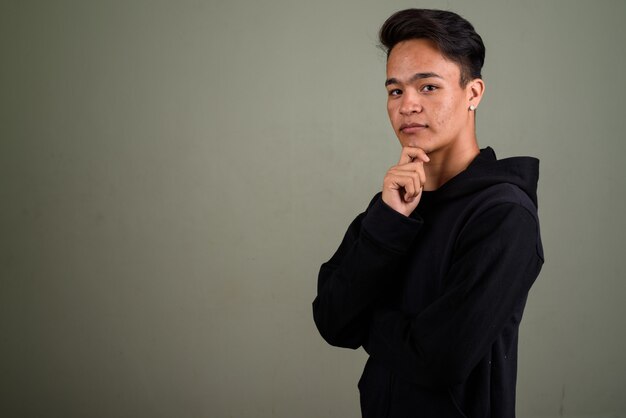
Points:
[421,174]
[399,180]
[414,167]
[414,189]
[410,154]
[408,180]
[415,170]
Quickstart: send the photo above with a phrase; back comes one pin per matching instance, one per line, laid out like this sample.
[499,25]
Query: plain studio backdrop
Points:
[173,173]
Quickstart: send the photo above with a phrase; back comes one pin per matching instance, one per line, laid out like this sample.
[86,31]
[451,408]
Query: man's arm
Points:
[362,268]
[498,259]
[359,272]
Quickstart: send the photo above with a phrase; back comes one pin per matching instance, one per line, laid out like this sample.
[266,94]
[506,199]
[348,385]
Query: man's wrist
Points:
[390,228]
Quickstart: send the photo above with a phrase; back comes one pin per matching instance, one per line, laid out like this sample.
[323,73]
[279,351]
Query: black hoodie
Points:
[436,298]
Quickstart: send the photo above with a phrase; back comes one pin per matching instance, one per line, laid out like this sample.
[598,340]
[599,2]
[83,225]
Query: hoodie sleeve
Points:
[497,258]
[351,281]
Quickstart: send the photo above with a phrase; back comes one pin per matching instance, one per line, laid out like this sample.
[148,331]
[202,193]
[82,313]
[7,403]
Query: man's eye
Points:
[395,92]
[429,88]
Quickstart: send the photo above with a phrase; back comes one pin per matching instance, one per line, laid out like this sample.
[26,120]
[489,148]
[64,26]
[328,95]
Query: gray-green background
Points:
[173,173]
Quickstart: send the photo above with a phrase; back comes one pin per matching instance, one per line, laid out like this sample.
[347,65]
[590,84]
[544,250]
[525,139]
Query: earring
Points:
[472,108]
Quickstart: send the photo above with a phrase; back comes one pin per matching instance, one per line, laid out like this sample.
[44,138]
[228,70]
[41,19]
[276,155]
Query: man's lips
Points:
[409,128]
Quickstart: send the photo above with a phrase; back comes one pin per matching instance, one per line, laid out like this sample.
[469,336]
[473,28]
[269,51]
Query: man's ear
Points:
[475,90]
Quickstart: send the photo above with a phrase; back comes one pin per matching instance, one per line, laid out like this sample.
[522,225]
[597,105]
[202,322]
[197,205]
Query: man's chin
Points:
[415,144]
[413,141]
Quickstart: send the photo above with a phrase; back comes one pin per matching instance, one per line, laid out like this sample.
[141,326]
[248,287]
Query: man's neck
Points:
[447,163]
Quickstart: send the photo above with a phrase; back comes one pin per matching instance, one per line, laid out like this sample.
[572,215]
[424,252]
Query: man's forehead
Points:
[416,59]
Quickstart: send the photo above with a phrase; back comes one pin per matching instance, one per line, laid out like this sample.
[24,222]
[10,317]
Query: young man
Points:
[433,277]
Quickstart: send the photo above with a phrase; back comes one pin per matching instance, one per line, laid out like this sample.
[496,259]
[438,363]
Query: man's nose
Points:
[410,104]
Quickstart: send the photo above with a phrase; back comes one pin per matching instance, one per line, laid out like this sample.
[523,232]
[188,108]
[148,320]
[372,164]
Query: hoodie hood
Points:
[486,170]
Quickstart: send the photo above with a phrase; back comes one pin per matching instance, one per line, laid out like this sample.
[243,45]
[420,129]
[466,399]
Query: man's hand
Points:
[404,182]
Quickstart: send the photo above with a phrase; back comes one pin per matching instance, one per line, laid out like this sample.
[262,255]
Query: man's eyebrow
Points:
[415,77]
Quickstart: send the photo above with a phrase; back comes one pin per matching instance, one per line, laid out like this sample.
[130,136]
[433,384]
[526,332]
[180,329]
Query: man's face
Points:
[427,106]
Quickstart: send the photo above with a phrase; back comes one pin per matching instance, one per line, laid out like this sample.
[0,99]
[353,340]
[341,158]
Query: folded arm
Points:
[353,279]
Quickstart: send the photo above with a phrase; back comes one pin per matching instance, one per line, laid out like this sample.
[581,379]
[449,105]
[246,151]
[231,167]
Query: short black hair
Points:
[454,36]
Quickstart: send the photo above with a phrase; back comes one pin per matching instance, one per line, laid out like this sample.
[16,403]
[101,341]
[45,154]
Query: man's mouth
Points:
[409,128]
